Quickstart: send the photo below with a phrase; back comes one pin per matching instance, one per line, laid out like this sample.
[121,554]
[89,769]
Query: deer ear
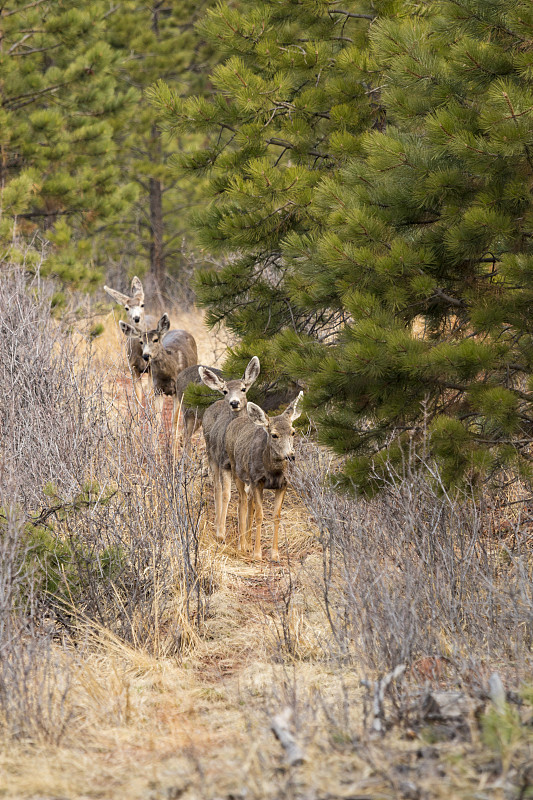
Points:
[251,373]
[137,289]
[118,297]
[292,410]
[257,415]
[164,324]
[127,329]
[211,379]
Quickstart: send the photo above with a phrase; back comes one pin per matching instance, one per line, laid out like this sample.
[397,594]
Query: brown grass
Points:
[197,725]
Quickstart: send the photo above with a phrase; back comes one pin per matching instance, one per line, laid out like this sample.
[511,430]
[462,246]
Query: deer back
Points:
[182,347]
[248,451]
[190,375]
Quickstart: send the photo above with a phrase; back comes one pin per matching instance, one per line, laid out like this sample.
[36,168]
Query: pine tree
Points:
[290,101]
[155,40]
[374,206]
[427,252]
[58,176]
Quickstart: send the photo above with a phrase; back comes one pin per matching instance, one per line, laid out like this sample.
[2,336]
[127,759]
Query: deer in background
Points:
[214,423]
[142,322]
[169,353]
[259,448]
[192,417]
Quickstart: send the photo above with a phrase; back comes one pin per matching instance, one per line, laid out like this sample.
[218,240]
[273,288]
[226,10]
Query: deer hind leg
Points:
[243,513]
[249,513]
[190,423]
[225,494]
[278,502]
[258,505]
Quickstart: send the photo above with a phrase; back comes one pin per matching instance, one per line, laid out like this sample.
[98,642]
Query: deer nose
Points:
[136,319]
[146,356]
[235,404]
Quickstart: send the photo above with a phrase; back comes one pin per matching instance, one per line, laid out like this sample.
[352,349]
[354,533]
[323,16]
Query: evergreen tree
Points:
[375,209]
[58,176]
[155,40]
[289,104]
[427,250]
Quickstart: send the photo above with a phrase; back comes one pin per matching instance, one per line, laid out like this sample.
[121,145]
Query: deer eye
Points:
[142,305]
[275,436]
[155,340]
[293,433]
[127,308]
[225,391]
[243,390]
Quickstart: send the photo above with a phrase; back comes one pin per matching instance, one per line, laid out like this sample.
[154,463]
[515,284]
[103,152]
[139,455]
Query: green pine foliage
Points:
[289,104]
[154,41]
[427,248]
[58,173]
[370,192]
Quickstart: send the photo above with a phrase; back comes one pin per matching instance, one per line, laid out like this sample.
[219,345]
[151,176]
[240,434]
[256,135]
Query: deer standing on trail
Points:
[134,306]
[215,421]
[258,448]
[169,353]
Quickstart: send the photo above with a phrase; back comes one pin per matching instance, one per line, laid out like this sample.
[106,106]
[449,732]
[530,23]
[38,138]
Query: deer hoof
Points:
[275,555]
[258,556]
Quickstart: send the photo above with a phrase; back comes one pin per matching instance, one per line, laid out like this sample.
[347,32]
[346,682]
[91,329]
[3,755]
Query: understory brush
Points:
[417,572]
[99,525]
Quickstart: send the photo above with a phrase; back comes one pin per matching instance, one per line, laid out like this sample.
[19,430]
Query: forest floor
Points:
[201,726]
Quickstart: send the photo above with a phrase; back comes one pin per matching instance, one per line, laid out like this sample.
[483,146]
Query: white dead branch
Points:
[281,730]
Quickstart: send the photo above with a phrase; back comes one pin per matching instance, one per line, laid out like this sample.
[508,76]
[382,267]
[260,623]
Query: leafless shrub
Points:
[418,573]
[53,422]
[34,669]
[136,547]
[112,522]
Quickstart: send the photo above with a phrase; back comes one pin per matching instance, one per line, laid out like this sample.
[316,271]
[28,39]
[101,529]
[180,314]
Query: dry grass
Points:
[197,723]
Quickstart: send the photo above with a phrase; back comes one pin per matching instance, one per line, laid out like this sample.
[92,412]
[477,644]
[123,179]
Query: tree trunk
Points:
[157,256]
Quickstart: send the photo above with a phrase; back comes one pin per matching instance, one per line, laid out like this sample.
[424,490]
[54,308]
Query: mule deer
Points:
[169,353]
[215,421]
[258,448]
[134,306]
[192,417]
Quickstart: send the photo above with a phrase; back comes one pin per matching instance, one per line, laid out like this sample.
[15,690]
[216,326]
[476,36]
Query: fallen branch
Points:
[280,728]
[380,687]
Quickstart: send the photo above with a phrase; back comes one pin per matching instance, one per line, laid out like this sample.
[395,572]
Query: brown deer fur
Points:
[169,353]
[134,306]
[258,448]
[192,417]
[215,421]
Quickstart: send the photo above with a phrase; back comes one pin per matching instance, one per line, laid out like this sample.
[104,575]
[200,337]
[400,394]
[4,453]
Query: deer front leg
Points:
[217,494]
[258,503]
[225,489]
[243,515]
[278,502]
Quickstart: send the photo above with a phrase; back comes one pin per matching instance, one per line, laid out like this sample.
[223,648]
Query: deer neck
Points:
[164,362]
[270,462]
